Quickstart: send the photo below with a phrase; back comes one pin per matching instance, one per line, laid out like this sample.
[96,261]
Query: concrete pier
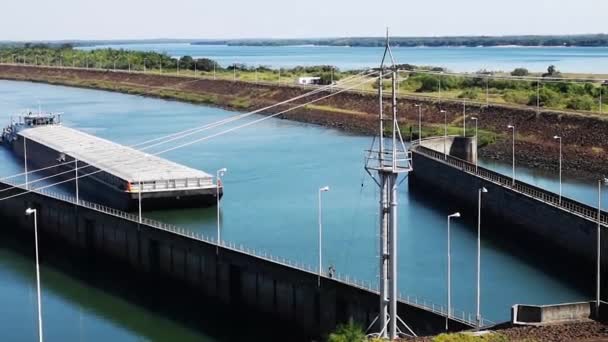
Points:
[266,286]
[565,227]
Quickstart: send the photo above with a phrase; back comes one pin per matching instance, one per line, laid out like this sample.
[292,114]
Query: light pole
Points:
[513,153]
[140,189]
[598,275]
[220,173]
[27,185]
[464,118]
[419,106]
[447,318]
[482,190]
[321,190]
[476,143]
[29,212]
[76,180]
[557,137]
[445,134]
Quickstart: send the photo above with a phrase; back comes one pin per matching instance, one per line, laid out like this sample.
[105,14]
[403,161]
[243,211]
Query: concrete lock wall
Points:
[546,314]
[237,279]
[464,148]
[558,229]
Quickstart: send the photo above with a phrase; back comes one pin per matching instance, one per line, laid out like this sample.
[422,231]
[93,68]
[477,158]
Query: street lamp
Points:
[557,137]
[321,190]
[419,106]
[476,143]
[603,181]
[464,118]
[445,135]
[220,173]
[513,153]
[447,318]
[482,190]
[28,212]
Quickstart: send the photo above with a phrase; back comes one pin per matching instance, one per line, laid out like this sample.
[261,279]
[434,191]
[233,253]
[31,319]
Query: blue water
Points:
[566,59]
[270,203]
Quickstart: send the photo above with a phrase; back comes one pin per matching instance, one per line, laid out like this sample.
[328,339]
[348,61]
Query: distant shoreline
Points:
[579,40]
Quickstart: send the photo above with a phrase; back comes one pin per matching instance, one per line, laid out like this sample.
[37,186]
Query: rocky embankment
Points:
[585,137]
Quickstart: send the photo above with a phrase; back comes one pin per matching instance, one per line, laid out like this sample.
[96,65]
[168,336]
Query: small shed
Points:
[309,80]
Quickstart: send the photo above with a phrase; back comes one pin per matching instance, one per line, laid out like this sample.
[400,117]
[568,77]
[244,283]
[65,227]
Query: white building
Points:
[309,80]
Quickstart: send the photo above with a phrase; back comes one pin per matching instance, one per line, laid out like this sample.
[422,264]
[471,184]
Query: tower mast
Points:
[385,164]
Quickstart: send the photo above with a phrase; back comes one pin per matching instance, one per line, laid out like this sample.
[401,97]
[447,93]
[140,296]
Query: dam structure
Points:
[312,301]
[112,174]
[555,224]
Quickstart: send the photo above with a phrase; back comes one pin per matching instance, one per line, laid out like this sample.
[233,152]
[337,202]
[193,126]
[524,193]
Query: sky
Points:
[139,19]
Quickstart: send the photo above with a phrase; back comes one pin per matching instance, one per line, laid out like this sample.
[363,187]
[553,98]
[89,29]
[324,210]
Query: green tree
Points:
[520,72]
[206,64]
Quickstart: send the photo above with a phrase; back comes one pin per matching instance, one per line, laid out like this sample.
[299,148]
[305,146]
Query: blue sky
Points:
[130,19]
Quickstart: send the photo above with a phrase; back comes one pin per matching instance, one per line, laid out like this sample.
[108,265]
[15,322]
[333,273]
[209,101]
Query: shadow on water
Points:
[199,319]
[511,239]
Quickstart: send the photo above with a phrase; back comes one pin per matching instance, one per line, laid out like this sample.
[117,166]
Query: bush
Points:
[517,96]
[585,102]
[520,72]
[548,98]
[472,94]
[347,333]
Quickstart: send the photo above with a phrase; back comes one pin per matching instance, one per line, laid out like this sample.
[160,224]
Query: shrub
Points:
[517,96]
[469,94]
[350,332]
[548,98]
[585,102]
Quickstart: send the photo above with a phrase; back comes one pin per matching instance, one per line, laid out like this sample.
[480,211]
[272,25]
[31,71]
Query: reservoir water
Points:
[270,203]
[571,59]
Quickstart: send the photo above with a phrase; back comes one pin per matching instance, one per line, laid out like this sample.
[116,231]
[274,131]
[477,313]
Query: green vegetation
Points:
[492,337]
[113,59]
[347,333]
[549,93]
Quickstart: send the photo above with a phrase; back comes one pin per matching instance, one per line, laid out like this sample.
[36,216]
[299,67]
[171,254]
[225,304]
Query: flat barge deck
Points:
[108,172]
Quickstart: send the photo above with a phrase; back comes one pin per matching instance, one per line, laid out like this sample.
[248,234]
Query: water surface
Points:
[566,59]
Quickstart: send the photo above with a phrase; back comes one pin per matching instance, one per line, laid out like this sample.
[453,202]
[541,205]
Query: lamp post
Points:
[321,190]
[511,127]
[447,318]
[445,134]
[140,189]
[29,212]
[476,143]
[220,173]
[482,190]
[419,106]
[464,118]
[27,183]
[76,180]
[598,276]
[557,137]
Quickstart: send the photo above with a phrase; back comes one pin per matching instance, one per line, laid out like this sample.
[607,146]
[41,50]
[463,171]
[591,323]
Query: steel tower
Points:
[386,161]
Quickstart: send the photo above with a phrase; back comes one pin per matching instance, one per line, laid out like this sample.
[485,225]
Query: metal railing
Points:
[456,315]
[547,197]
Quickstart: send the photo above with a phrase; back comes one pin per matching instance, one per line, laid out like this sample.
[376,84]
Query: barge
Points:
[109,173]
